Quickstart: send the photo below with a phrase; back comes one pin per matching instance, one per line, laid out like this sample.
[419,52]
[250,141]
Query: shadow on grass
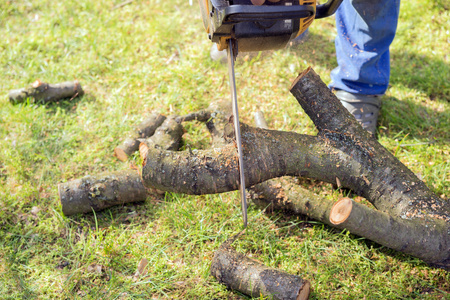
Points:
[401,117]
[130,214]
[291,224]
[421,72]
[16,255]
[69,105]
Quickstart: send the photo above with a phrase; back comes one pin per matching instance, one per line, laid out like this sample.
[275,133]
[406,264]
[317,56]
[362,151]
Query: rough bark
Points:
[144,130]
[274,154]
[253,278]
[116,188]
[427,239]
[285,194]
[202,116]
[382,178]
[41,92]
[101,191]
[216,170]
[166,137]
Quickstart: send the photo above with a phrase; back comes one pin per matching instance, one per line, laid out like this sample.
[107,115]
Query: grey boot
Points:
[365,108]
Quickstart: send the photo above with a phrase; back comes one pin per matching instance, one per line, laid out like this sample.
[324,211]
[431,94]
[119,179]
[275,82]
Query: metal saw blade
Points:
[237,131]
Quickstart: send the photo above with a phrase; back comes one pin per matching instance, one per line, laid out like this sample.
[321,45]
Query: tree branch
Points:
[426,239]
[252,278]
[42,92]
[350,154]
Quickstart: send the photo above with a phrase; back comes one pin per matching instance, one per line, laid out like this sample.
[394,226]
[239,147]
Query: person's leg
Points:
[365,30]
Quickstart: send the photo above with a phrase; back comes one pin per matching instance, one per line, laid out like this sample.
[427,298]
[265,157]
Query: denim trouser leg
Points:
[365,29]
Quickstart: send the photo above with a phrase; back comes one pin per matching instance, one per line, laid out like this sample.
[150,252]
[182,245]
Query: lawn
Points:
[154,56]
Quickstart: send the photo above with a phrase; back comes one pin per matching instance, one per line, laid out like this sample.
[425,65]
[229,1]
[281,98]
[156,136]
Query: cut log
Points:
[341,211]
[116,188]
[167,137]
[41,92]
[426,239]
[202,116]
[127,148]
[254,279]
[144,130]
[379,177]
[285,194]
[101,191]
[148,127]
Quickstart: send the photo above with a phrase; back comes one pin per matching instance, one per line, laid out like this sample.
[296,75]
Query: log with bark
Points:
[101,191]
[342,151]
[41,92]
[253,278]
[427,240]
[166,137]
[285,194]
[117,188]
[144,130]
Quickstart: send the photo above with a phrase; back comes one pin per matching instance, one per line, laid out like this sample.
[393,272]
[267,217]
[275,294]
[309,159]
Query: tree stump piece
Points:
[101,191]
[254,279]
[41,92]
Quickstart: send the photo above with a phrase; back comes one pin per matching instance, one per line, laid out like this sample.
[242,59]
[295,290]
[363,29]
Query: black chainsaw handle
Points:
[234,14]
[327,9]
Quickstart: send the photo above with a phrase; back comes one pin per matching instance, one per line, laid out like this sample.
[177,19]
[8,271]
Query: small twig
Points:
[74,96]
[122,4]
[172,57]
[417,144]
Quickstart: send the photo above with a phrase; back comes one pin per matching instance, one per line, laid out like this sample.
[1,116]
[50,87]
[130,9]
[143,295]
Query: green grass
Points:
[154,55]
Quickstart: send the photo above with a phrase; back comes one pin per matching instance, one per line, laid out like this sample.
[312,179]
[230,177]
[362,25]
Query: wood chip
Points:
[141,269]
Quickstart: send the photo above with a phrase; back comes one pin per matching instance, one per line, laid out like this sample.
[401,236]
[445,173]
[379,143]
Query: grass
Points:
[154,55]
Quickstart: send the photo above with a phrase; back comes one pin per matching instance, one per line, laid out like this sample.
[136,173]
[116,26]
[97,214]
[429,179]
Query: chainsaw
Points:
[240,26]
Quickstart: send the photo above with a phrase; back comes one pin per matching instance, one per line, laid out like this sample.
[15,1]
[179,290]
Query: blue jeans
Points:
[365,30]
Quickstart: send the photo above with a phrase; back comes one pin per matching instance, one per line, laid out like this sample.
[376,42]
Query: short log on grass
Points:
[101,191]
[144,130]
[427,240]
[254,279]
[117,188]
[341,152]
[41,92]
[166,137]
